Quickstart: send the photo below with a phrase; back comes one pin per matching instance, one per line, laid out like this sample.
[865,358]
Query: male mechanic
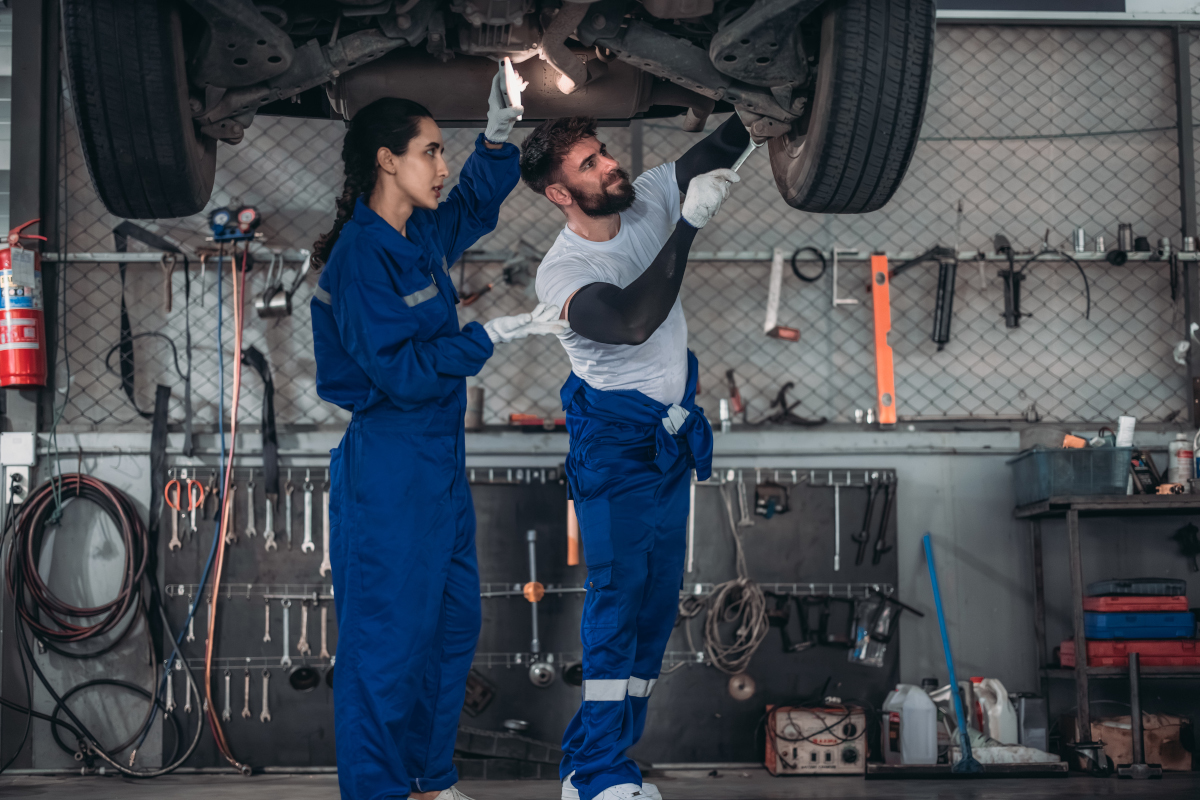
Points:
[630,401]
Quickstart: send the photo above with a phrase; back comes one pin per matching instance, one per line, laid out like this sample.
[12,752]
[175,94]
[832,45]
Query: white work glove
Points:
[705,194]
[543,320]
[500,120]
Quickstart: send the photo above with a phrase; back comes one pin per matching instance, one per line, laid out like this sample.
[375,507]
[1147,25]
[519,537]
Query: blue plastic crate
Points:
[1040,474]
[1145,625]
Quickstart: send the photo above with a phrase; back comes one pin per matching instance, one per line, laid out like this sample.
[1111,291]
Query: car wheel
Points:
[848,153]
[129,87]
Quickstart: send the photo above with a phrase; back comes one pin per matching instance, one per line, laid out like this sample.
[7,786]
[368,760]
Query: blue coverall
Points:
[402,525]
[629,469]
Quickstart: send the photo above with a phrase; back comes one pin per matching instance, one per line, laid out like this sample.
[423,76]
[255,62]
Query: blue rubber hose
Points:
[967,764]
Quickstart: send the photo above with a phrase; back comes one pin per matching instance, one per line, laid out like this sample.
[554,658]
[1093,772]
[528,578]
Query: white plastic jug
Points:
[909,726]
[999,716]
[918,728]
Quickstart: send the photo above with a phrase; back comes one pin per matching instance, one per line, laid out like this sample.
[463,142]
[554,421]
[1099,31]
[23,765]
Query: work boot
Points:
[451,794]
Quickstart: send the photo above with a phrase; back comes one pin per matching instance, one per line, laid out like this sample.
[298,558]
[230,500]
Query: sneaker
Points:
[569,792]
[623,791]
[451,794]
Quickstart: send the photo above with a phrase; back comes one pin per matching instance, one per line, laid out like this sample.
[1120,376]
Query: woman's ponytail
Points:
[389,122]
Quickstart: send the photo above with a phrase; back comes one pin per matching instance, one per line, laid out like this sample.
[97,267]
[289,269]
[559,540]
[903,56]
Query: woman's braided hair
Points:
[389,122]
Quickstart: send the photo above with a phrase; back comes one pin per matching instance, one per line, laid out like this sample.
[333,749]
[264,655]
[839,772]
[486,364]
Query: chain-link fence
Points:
[1032,132]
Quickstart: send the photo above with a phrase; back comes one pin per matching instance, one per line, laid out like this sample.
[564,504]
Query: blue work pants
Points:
[633,519]
[406,588]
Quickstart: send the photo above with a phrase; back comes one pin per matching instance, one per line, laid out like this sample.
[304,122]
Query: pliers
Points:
[863,537]
[881,546]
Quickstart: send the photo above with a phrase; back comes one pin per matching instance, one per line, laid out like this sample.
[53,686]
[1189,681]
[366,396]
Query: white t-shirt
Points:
[658,366]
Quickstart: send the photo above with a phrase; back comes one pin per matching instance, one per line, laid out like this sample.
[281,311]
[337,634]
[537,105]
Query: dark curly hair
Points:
[389,122]
[544,149]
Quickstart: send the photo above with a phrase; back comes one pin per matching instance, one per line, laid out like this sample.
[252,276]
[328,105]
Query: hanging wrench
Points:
[169,705]
[246,693]
[225,714]
[250,527]
[308,546]
[231,536]
[267,625]
[211,494]
[302,644]
[265,716]
[324,633]
[286,661]
[287,508]
[191,637]
[187,703]
[175,544]
[325,567]
[194,505]
[269,533]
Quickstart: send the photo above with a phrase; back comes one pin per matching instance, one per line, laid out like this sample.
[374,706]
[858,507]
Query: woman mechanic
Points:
[389,349]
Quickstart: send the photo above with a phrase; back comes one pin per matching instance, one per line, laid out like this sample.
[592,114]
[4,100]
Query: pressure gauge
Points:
[247,218]
[219,218]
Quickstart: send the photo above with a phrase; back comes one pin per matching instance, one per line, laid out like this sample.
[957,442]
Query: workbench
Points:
[1072,508]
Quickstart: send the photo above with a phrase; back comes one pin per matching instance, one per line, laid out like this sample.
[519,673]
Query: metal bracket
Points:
[841,301]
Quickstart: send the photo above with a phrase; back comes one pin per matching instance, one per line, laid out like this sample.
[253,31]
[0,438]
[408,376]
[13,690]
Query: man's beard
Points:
[613,199]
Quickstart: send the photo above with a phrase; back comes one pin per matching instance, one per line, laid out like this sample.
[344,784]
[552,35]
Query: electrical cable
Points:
[29,528]
[796,270]
[1087,290]
[740,601]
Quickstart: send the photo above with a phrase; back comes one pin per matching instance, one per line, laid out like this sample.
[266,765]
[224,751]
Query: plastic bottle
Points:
[918,728]
[998,716]
[1179,460]
[909,727]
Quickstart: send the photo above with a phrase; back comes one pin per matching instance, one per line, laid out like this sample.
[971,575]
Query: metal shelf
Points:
[1166,673]
[1101,504]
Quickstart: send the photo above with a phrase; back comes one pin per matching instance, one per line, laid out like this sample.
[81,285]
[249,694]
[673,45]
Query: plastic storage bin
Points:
[1148,587]
[1042,474]
[1134,604]
[1173,625]
[1154,653]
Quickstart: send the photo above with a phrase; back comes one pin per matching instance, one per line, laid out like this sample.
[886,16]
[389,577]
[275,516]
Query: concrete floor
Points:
[731,786]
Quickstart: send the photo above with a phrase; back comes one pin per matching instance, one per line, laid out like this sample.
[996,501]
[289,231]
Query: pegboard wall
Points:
[1034,131]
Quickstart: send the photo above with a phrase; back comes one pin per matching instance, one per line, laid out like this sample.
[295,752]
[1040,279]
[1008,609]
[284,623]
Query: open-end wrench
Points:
[265,716]
[251,531]
[191,637]
[169,704]
[175,543]
[286,661]
[267,622]
[187,702]
[307,546]
[269,533]
[302,643]
[183,474]
[226,715]
[231,536]
[324,633]
[211,494]
[246,693]
[287,508]
[325,567]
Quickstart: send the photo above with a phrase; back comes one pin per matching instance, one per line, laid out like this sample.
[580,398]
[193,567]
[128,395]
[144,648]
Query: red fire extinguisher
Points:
[22,319]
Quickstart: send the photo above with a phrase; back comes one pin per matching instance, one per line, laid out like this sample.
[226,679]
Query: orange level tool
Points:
[885,378]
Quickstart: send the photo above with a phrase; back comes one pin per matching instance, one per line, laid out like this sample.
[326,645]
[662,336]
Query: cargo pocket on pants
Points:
[595,526]
[601,605]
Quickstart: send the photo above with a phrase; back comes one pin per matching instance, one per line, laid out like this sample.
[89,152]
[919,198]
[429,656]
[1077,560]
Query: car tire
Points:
[130,92]
[848,153]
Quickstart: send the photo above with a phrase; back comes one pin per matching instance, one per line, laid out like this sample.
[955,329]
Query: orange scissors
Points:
[185,495]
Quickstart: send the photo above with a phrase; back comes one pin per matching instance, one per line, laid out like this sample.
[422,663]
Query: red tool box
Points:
[1127,604]
[1152,652]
